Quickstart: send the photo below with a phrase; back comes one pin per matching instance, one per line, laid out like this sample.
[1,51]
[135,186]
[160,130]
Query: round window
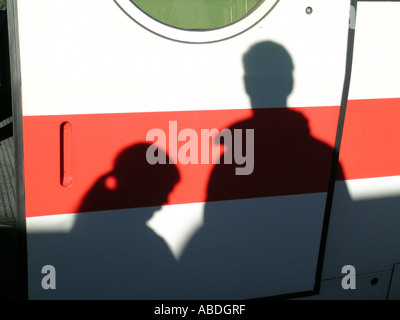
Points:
[197,21]
[196,14]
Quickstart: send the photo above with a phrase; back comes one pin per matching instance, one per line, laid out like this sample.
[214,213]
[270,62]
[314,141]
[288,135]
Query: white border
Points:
[196,36]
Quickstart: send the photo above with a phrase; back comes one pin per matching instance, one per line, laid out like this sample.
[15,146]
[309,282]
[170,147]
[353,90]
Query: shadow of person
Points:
[136,262]
[114,254]
[133,183]
[262,230]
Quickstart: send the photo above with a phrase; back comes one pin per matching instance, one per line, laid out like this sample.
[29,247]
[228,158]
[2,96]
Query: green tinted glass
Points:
[196,14]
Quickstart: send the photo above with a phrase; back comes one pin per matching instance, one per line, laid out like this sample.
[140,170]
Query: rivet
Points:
[374,281]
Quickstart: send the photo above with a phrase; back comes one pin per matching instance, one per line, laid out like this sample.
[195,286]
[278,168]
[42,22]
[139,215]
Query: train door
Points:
[176,149]
[364,218]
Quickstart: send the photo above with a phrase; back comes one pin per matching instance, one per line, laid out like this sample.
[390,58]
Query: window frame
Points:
[243,24]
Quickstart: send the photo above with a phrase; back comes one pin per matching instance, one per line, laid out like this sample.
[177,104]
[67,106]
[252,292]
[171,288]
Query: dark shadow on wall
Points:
[133,183]
[287,158]
[246,248]
[140,263]
[118,258]
[263,243]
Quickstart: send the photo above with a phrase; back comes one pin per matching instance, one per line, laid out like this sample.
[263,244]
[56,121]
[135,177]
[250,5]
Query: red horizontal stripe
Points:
[371,139]
[292,155]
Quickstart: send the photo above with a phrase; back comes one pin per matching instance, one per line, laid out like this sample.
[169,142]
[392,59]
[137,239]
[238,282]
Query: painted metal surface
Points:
[99,89]
[364,216]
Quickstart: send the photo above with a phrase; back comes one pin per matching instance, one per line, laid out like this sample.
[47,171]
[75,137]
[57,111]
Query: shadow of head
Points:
[136,183]
[268,75]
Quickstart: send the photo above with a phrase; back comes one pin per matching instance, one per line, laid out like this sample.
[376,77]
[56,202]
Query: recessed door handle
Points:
[66,154]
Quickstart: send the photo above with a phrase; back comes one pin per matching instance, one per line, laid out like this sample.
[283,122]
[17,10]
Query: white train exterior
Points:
[311,89]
